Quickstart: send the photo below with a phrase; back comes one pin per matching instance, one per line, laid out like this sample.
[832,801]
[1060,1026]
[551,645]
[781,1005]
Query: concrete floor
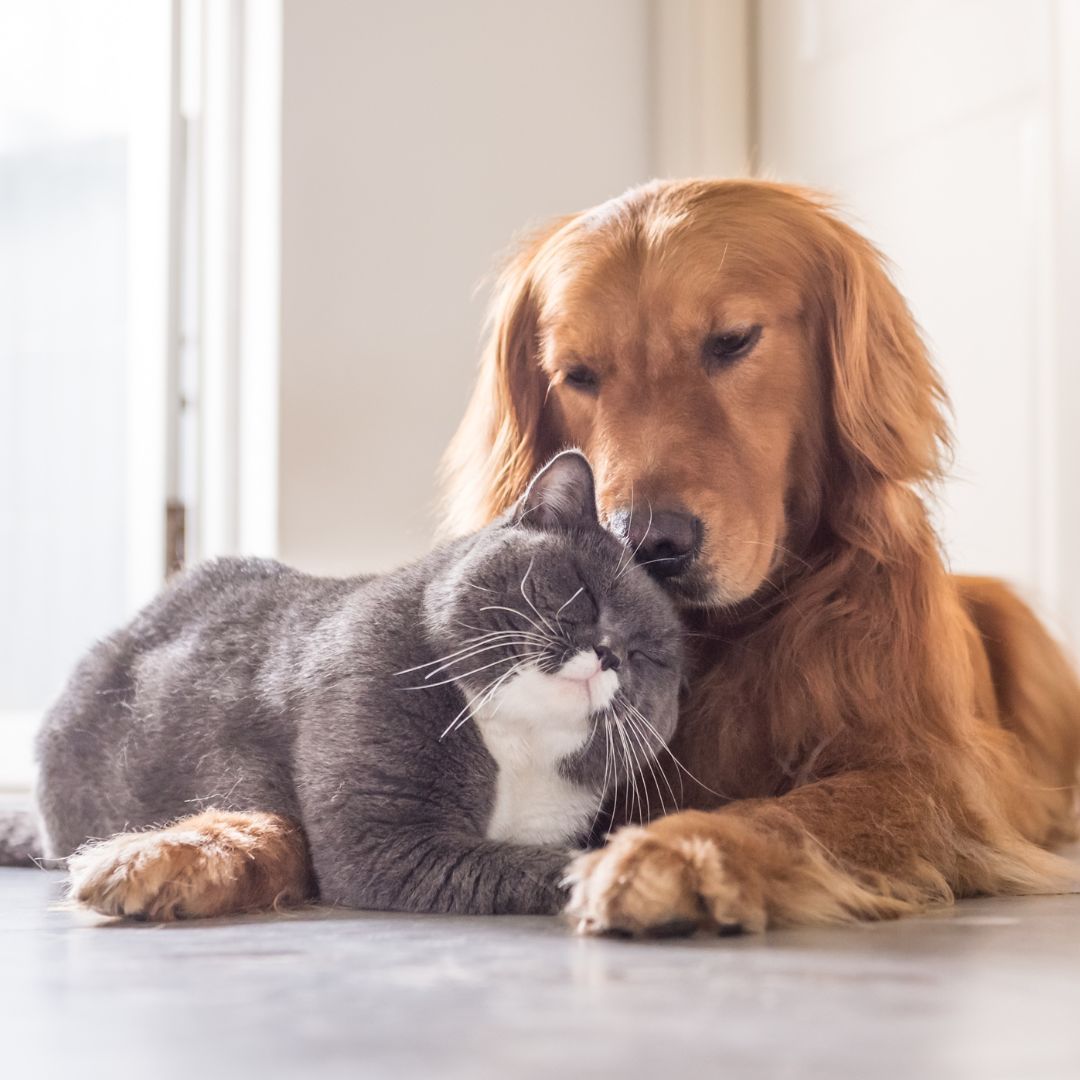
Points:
[989,989]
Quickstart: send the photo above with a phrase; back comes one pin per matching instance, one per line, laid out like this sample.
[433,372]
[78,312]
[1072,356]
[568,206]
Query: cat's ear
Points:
[561,495]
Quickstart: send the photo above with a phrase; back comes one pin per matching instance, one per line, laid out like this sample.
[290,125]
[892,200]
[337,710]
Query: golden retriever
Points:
[870,733]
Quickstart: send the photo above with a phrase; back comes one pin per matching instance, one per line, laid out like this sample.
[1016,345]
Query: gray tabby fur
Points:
[247,685]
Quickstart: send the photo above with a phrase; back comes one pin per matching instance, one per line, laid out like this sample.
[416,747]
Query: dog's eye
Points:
[722,350]
[581,377]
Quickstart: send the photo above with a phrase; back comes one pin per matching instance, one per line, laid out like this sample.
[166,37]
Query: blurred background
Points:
[244,246]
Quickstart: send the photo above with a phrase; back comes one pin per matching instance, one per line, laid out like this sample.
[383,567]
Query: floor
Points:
[989,989]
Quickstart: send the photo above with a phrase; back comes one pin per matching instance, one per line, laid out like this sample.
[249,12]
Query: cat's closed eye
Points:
[641,656]
[580,607]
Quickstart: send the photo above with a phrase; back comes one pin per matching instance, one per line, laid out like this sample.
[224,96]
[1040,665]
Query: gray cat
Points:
[444,733]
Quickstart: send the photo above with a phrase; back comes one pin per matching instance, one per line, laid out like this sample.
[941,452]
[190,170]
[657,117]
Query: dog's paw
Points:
[210,864]
[159,874]
[660,884]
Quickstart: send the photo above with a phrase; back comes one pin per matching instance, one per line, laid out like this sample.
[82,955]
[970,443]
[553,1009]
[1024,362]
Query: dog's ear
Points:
[562,495]
[887,401]
[503,437]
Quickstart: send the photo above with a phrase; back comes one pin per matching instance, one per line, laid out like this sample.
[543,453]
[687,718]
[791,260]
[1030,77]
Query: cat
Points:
[445,734]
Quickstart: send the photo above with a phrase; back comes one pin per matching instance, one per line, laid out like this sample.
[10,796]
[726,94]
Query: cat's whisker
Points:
[650,759]
[630,800]
[609,753]
[485,629]
[648,562]
[503,635]
[679,772]
[619,757]
[618,752]
[521,614]
[463,675]
[472,703]
[777,547]
[478,588]
[503,679]
[629,523]
[637,808]
[532,635]
[482,697]
[479,700]
[678,764]
[466,644]
[503,644]
[631,738]
[565,603]
[525,597]
[644,536]
[662,745]
[482,630]
[676,800]
[450,661]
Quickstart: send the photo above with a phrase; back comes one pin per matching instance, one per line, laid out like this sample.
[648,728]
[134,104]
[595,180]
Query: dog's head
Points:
[733,359]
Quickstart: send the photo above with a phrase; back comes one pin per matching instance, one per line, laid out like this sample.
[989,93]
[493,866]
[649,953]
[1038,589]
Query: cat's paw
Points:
[661,882]
[210,864]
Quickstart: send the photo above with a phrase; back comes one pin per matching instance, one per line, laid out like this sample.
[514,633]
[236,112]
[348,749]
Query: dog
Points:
[863,734]
[870,735]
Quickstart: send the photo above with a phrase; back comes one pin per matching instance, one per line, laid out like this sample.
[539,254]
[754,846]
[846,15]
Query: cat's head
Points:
[547,620]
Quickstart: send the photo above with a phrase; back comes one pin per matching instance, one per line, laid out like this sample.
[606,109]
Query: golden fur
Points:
[208,864]
[882,735]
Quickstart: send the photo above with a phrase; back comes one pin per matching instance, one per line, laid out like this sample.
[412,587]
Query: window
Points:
[85,186]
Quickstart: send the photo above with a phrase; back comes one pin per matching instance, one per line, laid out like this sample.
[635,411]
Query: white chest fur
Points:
[535,722]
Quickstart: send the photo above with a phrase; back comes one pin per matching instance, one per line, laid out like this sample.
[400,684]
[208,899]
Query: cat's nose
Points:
[666,542]
[608,657]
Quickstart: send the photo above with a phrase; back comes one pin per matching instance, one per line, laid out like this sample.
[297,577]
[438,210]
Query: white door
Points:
[941,126]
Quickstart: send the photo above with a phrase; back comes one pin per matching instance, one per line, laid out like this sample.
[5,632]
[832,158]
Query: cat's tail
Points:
[20,839]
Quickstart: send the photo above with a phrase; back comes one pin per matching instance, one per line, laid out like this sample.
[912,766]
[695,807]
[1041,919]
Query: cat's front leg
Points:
[441,873]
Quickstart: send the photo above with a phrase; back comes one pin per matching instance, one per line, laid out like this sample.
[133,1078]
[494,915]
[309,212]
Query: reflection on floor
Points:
[988,989]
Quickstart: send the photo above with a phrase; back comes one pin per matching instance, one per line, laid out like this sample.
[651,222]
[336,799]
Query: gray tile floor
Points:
[989,989]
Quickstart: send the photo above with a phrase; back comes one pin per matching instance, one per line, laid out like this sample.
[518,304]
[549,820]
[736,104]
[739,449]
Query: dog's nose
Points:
[666,542]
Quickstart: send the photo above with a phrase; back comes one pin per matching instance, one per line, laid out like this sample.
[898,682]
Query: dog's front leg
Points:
[209,864]
[865,845]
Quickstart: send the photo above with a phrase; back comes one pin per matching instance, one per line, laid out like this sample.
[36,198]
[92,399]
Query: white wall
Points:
[938,124]
[417,138]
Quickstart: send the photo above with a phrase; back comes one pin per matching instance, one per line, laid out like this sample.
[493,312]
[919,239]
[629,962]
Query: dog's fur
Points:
[871,733]
[208,864]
